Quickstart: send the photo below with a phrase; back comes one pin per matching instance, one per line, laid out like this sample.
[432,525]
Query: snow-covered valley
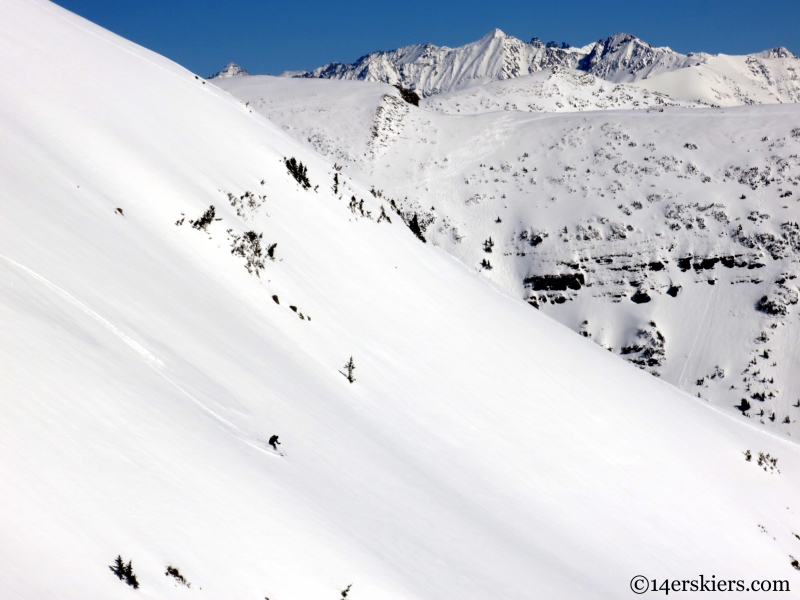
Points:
[151,345]
[667,234]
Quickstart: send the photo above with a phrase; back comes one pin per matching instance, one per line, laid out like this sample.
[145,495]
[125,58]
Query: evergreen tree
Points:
[298,171]
[350,366]
[125,572]
[413,225]
[119,567]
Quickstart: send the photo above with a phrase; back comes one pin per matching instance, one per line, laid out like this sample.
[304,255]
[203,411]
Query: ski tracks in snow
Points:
[149,358]
[143,352]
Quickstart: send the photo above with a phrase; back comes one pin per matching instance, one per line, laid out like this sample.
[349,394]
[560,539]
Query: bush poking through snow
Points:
[176,575]
[383,216]
[350,367]
[124,572]
[247,204]
[204,221]
[413,225]
[409,96]
[248,246]
[298,171]
[346,591]
[767,462]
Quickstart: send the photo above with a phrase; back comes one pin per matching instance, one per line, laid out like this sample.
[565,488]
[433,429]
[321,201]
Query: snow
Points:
[430,69]
[143,368]
[769,77]
[558,90]
[230,70]
[621,197]
[766,77]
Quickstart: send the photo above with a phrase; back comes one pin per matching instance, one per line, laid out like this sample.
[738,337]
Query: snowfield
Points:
[484,450]
[557,90]
[668,235]
[769,77]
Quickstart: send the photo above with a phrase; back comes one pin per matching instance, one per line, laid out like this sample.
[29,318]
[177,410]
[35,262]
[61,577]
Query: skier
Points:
[273,441]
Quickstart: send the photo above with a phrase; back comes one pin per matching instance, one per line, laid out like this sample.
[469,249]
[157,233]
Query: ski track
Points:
[149,358]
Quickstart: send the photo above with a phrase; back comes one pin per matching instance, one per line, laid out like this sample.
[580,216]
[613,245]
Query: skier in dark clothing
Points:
[273,441]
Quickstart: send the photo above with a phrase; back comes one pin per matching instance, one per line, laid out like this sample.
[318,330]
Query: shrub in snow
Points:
[408,95]
[298,171]
[205,220]
[124,572]
[247,204]
[346,590]
[248,246]
[350,367]
[415,228]
[383,216]
[176,575]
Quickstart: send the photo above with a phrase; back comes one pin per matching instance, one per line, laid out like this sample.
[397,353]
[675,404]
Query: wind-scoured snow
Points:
[483,451]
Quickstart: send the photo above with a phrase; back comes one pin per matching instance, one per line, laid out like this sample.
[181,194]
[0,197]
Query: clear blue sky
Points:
[265,36]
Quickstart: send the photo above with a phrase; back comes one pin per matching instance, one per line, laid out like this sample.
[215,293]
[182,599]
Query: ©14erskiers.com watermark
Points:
[641,584]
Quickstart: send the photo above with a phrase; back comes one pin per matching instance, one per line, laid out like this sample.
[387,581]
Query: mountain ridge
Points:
[431,69]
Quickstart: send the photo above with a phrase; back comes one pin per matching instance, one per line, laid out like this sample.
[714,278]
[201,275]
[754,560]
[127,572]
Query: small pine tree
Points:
[125,572]
[346,591]
[298,171]
[488,245]
[350,366]
[486,264]
[413,225]
[336,183]
[119,567]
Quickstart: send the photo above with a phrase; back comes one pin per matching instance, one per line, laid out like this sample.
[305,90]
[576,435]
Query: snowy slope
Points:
[623,225]
[557,90]
[770,77]
[143,367]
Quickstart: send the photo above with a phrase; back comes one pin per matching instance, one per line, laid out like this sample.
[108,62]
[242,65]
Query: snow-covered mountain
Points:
[151,346]
[772,76]
[667,235]
[625,58]
[430,69]
[769,77]
[556,90]
[230,70]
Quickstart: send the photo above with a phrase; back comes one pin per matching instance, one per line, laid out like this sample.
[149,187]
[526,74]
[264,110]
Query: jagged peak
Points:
[778,52]
[231,70]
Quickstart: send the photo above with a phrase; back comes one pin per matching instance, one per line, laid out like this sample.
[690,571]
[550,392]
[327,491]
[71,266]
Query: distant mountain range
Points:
[771,76]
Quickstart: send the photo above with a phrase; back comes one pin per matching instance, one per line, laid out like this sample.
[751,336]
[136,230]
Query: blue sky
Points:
[265,36]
